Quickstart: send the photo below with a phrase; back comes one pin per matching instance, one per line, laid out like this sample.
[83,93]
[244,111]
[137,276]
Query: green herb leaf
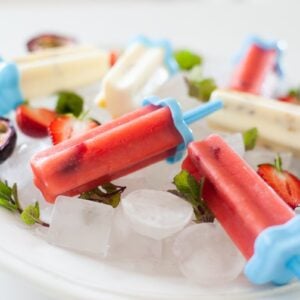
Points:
[201,89]
[9,199]
[250,137]
[189,189]
[186,59]
[5,191]
[7,204]
[295,92]
[69,102]
[108,193]
[31,214]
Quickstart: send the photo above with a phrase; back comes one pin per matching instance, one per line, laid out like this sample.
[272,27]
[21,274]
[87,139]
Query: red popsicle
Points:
[241,201]
[115,149]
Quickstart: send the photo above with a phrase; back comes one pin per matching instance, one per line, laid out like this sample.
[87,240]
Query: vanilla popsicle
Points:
[43,74]
[278,122]
[144,66]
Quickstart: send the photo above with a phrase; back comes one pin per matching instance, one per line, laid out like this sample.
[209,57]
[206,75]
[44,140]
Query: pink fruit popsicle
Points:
[138,139]
[260,58]
[248,209]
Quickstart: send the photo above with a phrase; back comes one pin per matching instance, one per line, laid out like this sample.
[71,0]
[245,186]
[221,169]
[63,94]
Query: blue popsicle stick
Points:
[181,121]
[200,112]
[276,255]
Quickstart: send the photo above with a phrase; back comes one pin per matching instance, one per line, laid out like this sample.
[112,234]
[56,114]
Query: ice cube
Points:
[156,214]
[260,156]
[132,182]
[206,254]
[160,175]
[236,142]
[81,225]
[126,244]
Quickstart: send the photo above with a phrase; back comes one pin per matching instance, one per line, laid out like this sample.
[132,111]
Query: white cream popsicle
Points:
[138,72]
[278,123]
[46,72]
[68,71]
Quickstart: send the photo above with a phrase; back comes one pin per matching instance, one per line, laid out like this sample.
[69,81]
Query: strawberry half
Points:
[34,121]
[65,127]
[285,184]
[289,99]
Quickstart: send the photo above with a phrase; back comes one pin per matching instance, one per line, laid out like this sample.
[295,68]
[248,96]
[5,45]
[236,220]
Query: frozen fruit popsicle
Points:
[41,75]
[149,134]
[144,66]
[258,59]
[258,221]
[278,122]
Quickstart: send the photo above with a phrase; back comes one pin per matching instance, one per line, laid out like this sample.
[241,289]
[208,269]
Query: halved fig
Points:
[49,40]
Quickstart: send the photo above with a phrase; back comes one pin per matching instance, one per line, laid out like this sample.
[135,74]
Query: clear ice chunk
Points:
[156,214]
[81,225]
[206,255]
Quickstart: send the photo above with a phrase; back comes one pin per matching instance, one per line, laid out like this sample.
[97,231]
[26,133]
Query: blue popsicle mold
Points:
[181,120]
[10,92]
[278,45]
[276,254]
[169,60]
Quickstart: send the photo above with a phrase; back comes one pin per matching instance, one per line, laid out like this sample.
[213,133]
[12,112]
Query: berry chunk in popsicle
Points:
[259,222]
[152,133]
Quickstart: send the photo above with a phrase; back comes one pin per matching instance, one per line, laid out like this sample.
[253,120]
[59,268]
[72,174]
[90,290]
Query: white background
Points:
[214,27]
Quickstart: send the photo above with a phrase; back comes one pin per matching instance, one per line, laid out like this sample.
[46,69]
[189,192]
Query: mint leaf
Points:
[187,186]
[201,89]
[31,214]
[186,59]
[5,190]
[7,204]
[190,189]
[9,199]
[108,193]
[250,137]
[69,102]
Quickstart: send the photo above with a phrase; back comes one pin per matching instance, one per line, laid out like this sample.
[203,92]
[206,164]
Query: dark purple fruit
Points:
[8,138]
[49,40]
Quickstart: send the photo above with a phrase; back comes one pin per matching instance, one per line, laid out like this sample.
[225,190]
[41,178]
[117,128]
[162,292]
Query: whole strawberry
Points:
[285,184]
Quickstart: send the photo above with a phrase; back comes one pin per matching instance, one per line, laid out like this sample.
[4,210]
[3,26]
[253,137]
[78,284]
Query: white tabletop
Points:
[217,27]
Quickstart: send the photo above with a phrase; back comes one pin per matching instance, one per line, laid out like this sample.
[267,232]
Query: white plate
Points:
[65,274]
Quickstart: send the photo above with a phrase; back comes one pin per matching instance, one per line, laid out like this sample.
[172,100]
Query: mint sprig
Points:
[69,103]
[188,188]
[9,199]
[108,193]
[250,136]
[187,59]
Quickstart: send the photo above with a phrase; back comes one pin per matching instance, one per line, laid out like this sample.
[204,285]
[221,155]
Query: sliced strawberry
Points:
[285,184]
[66,127]
[34,121]
[289,99]
[113,57]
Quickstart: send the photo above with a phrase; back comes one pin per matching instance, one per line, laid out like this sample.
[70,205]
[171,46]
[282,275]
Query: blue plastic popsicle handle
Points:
[276,254]
[181,121]
[169,60]
[278,45]
[10,92]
